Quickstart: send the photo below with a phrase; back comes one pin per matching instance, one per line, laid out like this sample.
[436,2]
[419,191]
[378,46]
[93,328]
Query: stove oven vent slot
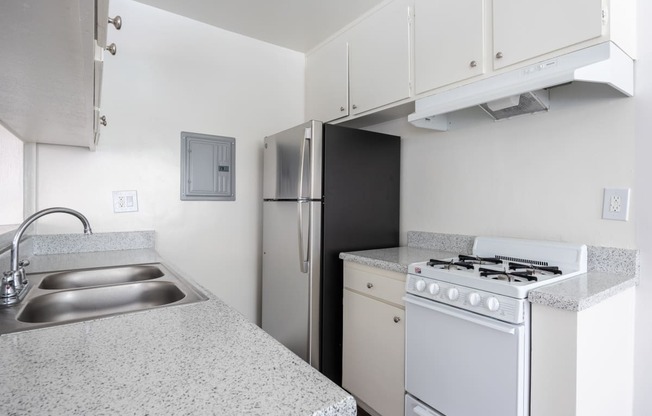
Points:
[523,261]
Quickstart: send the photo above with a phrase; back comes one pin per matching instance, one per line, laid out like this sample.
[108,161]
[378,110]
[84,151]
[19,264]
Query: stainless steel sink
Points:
[99,277]
[69,305]
[78,295]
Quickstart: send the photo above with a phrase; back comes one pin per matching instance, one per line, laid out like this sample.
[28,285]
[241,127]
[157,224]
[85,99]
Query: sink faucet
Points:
[14,283]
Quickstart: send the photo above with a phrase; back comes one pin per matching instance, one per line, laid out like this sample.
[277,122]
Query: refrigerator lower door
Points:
[290,297]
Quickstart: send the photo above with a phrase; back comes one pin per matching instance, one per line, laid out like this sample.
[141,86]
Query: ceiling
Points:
[295,24]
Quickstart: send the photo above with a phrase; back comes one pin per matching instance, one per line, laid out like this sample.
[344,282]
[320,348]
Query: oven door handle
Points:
[487,322]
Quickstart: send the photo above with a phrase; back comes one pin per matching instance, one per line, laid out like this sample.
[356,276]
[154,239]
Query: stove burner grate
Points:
[450,264]
[527,276]
[531,268]
[479,260]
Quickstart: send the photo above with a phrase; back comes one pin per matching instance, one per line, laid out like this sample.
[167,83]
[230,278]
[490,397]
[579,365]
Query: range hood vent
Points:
[522,91]
[518,105]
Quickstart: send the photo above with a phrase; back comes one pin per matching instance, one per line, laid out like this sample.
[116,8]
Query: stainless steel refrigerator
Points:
[326,189]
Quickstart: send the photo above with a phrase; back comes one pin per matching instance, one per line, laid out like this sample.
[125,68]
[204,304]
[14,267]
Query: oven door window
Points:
[464,364]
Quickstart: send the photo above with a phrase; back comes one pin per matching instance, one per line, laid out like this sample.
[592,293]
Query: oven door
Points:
[464,364]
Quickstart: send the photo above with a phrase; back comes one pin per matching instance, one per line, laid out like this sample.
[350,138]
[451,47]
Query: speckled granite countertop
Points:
[611,270]
[197,359]
[582,292]
[394,259]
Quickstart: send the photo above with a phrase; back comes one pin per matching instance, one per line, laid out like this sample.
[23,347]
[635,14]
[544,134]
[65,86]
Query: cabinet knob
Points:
[116,21]
[355,106]
[112,49]
[103,120]
[342,109]
[473,64]
[370,285]
[499,55]
[397,319]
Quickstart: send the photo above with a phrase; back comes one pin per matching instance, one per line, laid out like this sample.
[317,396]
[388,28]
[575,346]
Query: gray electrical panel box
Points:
[207,167]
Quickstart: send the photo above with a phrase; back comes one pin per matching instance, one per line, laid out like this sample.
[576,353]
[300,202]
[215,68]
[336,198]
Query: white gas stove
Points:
[468,325]
[497,277]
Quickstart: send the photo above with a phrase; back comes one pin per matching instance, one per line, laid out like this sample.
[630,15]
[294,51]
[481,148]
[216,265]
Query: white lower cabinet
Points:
[583,362]
[373,348]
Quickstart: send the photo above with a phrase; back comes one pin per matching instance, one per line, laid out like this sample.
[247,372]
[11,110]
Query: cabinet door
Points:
[448,42]
[380,58]
[524,29]
[327,81]
[373,353]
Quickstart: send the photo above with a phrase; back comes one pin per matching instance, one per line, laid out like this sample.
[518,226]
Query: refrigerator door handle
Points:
[302,157]
[303,255]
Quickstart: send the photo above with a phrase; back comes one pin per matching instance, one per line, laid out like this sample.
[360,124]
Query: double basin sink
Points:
[79,295]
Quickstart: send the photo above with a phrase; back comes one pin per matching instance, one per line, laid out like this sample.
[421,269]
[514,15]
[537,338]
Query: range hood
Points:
[523,91]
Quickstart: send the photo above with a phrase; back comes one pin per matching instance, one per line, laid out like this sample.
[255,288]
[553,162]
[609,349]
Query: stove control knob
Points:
[420,285]
[492,304]
[433,288]
[453,293]
[474,299]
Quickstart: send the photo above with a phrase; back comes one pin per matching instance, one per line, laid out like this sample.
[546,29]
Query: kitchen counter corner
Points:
[583,291]
[395,259]
[200,359]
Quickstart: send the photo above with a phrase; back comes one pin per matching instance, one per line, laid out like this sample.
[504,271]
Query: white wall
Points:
[173,74]
[11,178]
[643,133]
[538,176]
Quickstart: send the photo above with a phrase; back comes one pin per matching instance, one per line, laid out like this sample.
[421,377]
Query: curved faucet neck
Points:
[23,227]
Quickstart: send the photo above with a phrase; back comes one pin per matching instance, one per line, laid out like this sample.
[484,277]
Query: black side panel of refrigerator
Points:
[361,186]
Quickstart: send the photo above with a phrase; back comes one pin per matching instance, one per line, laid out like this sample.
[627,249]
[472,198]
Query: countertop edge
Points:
[367,261]
[553,297]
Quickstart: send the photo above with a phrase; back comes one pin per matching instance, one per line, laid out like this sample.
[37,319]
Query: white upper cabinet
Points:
[394,57]
[366,66]
[448,42]
[327,81]
[50,85]
[380,58]
[525,29]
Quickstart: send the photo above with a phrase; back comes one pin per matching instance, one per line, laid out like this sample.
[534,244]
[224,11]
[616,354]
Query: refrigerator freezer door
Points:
[290,297]
[292,163]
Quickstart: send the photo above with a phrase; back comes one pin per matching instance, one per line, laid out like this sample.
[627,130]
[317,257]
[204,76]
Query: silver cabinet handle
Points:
[112,49]
[397,319]
[103,120]
[342,108]
[473,64]
[370,285]
[355,106]
[499,55]
[116,21]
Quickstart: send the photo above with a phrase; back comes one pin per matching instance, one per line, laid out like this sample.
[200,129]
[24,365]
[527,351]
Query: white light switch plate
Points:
[125,201]
[615,205]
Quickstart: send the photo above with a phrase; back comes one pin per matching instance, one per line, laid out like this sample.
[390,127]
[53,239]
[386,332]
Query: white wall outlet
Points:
[125,201]
[615,205]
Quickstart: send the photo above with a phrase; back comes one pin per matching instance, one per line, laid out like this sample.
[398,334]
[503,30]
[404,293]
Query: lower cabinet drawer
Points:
[382,284]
